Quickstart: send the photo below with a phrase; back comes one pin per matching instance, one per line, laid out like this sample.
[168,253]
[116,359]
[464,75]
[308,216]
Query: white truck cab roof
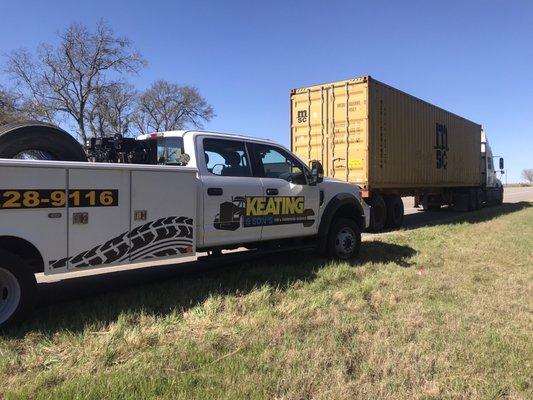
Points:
[194,133]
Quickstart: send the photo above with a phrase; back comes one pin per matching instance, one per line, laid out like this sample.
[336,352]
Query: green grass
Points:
[438,312]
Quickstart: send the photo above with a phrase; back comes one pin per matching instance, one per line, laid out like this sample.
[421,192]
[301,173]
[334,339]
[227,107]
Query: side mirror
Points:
[501,163]
[183,159]
[317,173]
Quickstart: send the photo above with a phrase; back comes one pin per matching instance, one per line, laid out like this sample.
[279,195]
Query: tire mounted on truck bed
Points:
[39,140]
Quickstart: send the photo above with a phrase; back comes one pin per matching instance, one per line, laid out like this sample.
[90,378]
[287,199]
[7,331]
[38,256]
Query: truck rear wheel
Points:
[39,141]
[378,213]
[17,287]
[344,240]
[395,211]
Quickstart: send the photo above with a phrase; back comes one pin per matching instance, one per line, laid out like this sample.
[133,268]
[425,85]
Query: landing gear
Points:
[395,211]
[378,213]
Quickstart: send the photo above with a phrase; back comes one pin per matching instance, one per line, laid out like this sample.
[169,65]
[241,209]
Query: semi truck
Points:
[159,196]
[393,144]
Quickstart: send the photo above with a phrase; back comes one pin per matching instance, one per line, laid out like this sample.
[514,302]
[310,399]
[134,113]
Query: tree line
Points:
[83,80]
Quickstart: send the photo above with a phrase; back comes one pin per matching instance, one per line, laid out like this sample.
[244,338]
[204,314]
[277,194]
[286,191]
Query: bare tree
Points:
[167,106]
[111,110]
[527,175]
[64,79]
[10,109]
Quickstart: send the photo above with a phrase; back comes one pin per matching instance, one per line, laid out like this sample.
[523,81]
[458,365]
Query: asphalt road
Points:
[416,217]
[64,287]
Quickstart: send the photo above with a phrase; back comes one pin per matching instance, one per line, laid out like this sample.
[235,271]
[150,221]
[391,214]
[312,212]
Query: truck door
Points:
[227,181]
[290,206]
[98,217]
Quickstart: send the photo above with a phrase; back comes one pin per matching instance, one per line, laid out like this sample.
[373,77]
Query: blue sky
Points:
[474,58]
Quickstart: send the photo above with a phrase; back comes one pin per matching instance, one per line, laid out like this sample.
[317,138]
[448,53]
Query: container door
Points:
[309,124]
[99,217]
[329,123]
[163,214]
[347,132]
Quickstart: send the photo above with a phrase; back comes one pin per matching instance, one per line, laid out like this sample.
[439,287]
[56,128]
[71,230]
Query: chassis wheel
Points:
[394,211]
[344,240]
[17,286]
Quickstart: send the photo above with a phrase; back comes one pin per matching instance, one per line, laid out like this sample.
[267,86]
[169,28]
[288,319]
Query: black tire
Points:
[395,211]
[479,199]
[17,288]
[378,213]
[44,141]
[344,239]
[499,197]
[472,200]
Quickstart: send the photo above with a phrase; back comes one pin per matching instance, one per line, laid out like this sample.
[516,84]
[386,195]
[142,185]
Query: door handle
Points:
[272,192]
[214,191]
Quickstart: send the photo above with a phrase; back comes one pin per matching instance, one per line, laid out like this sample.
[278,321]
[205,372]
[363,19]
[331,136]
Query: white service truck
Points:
[207,192]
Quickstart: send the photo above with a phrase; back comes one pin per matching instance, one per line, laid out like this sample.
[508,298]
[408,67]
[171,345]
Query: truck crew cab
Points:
[204,191]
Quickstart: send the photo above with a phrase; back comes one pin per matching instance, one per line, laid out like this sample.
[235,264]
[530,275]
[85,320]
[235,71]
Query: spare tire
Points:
[39,140]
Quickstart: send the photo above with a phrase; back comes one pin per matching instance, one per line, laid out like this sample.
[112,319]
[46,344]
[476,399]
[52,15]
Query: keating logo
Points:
[276,210]
[279,205]
[250,211]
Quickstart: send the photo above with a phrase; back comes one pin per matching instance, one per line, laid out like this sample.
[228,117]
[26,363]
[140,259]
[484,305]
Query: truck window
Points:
[277,163]
[169,150]
[226,157]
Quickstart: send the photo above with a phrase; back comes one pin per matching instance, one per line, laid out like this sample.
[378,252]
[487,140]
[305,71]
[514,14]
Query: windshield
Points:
[169,151]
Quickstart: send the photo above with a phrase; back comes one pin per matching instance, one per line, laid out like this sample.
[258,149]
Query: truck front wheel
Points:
[17,286]
[344,239]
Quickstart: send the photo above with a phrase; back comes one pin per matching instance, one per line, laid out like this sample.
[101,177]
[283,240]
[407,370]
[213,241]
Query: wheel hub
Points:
[345,241]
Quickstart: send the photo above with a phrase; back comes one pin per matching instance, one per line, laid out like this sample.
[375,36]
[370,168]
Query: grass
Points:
[438,312]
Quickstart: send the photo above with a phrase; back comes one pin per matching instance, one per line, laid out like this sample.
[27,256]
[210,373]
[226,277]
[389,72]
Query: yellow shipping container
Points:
[384,140]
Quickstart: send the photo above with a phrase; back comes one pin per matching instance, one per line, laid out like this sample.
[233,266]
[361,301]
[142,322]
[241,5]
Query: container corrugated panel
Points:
[378,137]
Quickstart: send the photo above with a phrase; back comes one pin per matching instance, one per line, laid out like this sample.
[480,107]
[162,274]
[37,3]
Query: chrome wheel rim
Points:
[9,294]
[345,242]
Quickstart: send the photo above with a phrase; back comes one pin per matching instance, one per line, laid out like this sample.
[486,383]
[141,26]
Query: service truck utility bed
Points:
[84,215]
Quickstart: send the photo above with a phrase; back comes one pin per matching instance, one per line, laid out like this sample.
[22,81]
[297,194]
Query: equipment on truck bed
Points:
[123,150]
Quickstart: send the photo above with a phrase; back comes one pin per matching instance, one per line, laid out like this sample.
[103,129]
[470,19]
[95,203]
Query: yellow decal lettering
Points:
[271,207]
[299,205]
[251,206]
